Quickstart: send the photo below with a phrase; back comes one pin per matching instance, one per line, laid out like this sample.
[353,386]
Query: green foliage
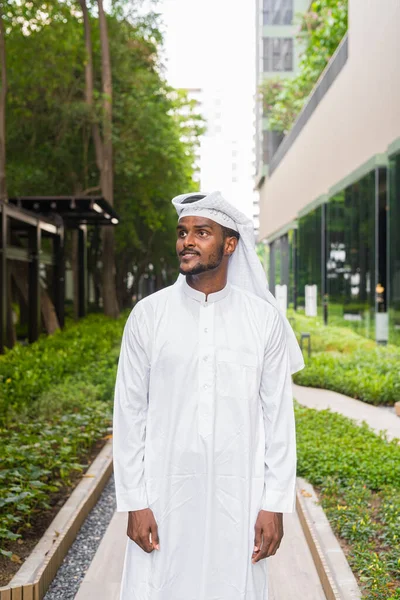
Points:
[357,473]
[26,372]
[348,363]
[322,28]
[56,403]
[39,458]
[49,126]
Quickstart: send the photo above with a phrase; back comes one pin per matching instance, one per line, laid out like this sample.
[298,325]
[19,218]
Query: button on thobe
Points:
[204,436]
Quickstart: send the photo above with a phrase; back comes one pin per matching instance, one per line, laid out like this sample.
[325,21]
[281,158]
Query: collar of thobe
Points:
[201,296]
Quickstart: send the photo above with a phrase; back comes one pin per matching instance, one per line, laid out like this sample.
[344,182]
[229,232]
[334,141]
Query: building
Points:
[225,152]
[330,206]
[195,107]
[277,54]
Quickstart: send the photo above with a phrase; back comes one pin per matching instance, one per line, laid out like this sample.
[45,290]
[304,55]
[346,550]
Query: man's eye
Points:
[182,234]
[203,233]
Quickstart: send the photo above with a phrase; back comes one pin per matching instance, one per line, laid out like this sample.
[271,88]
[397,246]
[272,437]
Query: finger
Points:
[260,554]
[154,535]
[273,546]
[264,550]
[257,538]
[144,541]
[273,551]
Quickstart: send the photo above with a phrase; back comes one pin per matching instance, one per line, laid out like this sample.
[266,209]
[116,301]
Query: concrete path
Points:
[292,572]
[376,417]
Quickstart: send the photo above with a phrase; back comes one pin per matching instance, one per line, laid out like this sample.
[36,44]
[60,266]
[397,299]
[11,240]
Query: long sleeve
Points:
[279,423]
[130,414]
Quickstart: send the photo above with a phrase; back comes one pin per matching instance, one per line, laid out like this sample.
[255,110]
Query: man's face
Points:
[200,245]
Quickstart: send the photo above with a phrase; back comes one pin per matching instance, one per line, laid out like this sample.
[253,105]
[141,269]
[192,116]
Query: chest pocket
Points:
[237,373]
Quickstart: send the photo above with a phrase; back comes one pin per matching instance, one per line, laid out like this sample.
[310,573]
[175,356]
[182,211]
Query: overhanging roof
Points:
[75,210]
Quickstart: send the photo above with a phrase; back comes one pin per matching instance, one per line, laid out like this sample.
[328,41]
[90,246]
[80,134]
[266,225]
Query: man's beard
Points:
[213,262]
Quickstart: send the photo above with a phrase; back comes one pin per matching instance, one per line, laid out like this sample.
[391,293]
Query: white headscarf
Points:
[245,269]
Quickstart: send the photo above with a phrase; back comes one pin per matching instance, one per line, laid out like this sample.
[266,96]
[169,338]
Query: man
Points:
[204,435]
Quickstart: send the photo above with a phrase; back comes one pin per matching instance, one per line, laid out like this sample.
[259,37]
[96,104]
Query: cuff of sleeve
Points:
[135,499]
[279,501]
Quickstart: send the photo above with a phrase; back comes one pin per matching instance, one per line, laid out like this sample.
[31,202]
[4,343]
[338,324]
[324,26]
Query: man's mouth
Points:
[189,254]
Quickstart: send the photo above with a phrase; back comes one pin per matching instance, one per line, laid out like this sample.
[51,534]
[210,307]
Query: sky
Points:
[210,44]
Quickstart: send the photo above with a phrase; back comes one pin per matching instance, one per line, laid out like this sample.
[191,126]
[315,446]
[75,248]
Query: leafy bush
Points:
[27,371]
[357,473]
[39,458]
[346,362]
[55,404]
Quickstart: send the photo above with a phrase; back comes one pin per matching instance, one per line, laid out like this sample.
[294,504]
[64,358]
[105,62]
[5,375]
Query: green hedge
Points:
[55,404]
[345,362]
[357,473]
[27,371]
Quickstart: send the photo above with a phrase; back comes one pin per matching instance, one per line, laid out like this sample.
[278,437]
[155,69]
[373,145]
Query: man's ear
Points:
[230,245]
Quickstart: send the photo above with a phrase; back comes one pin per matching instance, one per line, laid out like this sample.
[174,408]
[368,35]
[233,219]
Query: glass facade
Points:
[394,249]
[351,256]
[309,255]
[350,250]
[282,265]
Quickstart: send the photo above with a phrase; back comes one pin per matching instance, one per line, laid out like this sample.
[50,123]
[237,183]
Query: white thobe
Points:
[203,435]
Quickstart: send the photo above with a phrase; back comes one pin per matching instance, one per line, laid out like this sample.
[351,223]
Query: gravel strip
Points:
[76,563]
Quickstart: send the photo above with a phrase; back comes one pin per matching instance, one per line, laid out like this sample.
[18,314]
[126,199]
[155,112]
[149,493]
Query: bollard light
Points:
[306,336]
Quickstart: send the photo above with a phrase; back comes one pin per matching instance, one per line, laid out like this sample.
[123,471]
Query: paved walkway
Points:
[376,417]
[292,574]
[292,571]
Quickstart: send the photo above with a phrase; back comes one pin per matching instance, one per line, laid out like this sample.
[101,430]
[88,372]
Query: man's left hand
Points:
[268,534]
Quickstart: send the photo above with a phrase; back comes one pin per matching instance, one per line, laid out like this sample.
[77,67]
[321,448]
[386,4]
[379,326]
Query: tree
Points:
[103,147]
[3,99]
[53,118]
[107,178]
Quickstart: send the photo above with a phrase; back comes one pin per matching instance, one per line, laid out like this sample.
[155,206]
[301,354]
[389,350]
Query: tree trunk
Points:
[107,180]
[103,148]
[3,96]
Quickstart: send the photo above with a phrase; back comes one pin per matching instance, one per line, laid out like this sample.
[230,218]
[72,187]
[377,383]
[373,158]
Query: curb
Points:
[337,579]
[34,577]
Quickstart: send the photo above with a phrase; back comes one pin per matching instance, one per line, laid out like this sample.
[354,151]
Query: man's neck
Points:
[207,282]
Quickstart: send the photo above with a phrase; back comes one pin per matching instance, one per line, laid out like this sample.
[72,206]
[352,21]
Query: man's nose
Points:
[189,240]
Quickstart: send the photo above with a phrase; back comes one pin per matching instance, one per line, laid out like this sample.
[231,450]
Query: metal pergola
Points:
[32,218]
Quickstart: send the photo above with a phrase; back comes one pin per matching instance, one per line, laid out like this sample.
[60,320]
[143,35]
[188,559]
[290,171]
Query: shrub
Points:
[55,405]
[40,457]
[346,362]
[27,371]
[357,474]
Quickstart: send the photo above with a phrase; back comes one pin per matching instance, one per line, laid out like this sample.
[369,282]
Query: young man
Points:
[204,435]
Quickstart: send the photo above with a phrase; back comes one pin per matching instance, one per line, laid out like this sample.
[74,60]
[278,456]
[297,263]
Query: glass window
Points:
[350,256]
[277,12]
[394,249]
[309,254]
[266,55]
[287,53]
[265,154]
[277,54]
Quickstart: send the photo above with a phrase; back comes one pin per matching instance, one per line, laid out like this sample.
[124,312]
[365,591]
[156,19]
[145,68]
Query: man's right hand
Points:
[140,524]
